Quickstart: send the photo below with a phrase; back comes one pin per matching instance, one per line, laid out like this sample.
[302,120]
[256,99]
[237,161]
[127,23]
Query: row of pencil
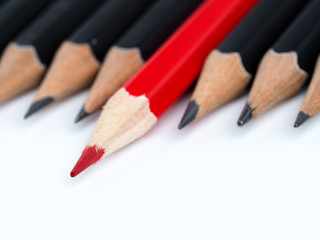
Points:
[288,33]
[73,37]
[283,36]
[142,55]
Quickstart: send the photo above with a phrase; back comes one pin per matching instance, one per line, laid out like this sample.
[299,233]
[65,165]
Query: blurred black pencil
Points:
[16,15]
[27,57]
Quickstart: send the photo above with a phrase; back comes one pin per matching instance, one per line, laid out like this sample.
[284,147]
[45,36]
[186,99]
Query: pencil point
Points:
[245,116]
[82,114]
[90,156]
[302,117]
[190,114]
[38,105]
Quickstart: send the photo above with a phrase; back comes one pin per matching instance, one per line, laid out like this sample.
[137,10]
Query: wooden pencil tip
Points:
[190,114]
[302,117]
[36,106]
[81,115]
[90,156]
[245,116]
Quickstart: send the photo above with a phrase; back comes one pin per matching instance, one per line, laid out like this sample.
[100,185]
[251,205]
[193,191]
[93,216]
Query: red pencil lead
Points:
[90,156]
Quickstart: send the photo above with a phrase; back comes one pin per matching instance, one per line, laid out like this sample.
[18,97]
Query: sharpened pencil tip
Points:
[302,117]
[90,156]
[38,105]
[245,116]
[190,114]
[81,115]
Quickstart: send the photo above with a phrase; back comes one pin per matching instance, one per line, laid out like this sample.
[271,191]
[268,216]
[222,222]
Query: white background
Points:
[212,180]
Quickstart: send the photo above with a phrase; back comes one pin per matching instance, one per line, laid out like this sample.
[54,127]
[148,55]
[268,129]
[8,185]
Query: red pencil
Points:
[136,107]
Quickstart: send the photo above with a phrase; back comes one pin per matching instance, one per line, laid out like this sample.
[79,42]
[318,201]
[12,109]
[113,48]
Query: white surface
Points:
[211,181]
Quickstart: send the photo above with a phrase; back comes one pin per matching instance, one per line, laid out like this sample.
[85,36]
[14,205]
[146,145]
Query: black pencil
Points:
[287,65]
[78,59]
[17,14]
[311,103]
[135,47]
[229,68]
[25,59]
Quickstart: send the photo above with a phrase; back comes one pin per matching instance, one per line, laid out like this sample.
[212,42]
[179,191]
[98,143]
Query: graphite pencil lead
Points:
[190,114]
[90,156]
[302,117]
[245,116]
[82,114]
[38,105]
